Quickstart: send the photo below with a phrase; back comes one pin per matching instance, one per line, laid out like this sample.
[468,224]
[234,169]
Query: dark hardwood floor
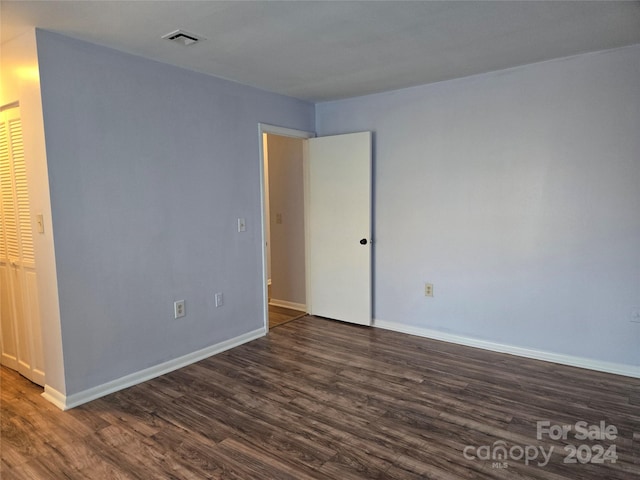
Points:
[317,399]
[280,315]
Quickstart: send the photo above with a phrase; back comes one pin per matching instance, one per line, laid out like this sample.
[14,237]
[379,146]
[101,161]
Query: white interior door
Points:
[339,227]
[20,334]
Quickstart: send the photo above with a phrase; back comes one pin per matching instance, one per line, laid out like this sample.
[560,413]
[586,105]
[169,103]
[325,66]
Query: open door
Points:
[338,194]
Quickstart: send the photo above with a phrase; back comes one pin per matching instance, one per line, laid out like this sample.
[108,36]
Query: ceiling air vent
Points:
[183,38]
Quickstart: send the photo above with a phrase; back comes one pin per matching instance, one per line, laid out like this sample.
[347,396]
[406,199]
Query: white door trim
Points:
[285,132]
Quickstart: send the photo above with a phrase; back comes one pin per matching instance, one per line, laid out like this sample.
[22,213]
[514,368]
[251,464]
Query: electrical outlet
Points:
[178,309]
[242,225]
[219,300]
[428,289]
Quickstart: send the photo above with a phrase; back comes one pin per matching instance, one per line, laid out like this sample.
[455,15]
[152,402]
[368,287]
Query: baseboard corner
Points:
[52,395]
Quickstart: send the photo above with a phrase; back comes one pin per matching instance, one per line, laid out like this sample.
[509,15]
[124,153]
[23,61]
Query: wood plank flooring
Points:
[317,399]
[281,315]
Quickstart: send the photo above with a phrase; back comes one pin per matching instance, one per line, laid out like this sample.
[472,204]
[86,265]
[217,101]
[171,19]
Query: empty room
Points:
[320,240]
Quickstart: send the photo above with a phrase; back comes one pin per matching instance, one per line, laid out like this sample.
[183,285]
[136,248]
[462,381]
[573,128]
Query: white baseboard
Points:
[66,402]
[286,304]
[54,396]
[581,362]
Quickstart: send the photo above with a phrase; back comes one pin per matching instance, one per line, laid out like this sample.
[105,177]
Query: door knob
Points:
[363,241]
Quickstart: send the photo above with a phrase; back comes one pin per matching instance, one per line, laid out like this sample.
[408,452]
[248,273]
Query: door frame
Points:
[284,132]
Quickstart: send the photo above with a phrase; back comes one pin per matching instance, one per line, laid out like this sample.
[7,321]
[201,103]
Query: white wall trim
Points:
[286,304]
[283,131]
[66,402]
[581,362]
[54,396]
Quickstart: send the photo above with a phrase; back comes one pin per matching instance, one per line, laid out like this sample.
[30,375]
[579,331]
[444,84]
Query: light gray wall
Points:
[149,167]
[516,193]
[286,198]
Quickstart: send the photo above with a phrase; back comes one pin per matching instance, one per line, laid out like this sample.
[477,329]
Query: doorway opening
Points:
[282,152]
[337,206]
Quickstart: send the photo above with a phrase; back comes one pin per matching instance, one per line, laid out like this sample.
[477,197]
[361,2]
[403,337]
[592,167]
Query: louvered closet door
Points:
[21,337]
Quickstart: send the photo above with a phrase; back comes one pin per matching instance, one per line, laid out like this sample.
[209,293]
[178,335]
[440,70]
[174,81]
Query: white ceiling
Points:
[322,50]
